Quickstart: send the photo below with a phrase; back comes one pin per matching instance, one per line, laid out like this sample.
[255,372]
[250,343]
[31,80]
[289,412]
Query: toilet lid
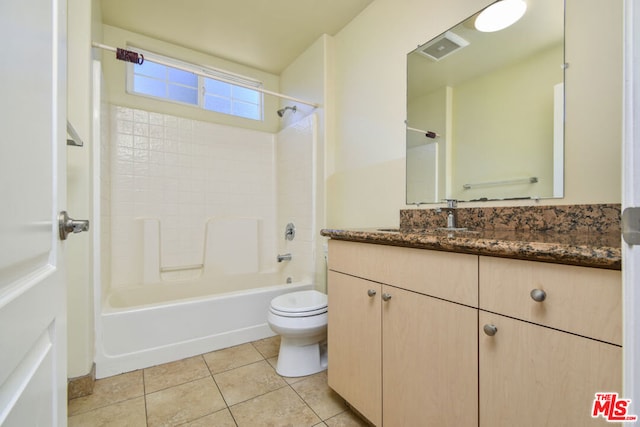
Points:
[301,302]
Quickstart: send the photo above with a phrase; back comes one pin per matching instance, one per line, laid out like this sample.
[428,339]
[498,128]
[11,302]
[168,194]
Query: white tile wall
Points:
[182,172]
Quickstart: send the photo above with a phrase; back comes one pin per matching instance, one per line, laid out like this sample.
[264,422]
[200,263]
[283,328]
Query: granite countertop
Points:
[601,249]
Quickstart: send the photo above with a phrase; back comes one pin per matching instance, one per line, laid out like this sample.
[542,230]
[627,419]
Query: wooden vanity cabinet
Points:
[544,363]
[408,346]
[401,357]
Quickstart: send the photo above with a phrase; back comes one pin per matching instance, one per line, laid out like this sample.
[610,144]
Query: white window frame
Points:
[202,73]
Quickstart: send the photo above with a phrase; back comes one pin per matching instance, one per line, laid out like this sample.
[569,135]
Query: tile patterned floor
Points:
[237,386]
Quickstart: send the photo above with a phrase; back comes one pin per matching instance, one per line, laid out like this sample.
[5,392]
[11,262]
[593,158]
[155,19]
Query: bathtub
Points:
[151,325]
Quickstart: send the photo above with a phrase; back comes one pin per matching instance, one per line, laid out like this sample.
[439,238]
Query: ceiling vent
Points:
[442,46]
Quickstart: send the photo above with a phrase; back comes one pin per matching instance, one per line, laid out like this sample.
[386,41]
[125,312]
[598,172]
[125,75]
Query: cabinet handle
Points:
[538,295]
[386,297]
[371,292]
[490,330]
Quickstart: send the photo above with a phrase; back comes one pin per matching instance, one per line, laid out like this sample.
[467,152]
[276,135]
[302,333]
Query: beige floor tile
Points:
[108,391]
[233,357]
[174,373]
[184,393]
[282,407]
[183,403]
[273,361]
[317,394]
[246,382]
[218,419]
[268,347]
[130,413]
[346,419]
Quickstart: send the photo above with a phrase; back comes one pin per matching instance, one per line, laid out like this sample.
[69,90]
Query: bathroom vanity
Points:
[435,328]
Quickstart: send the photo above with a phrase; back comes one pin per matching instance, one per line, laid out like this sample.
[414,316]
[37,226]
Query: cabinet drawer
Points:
[445,275]
[582,300]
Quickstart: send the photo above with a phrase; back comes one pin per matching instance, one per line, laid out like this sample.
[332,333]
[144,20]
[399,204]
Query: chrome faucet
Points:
[452,217]
[284,257]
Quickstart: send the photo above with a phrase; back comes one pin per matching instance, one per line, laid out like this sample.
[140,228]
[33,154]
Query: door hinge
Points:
[631,226]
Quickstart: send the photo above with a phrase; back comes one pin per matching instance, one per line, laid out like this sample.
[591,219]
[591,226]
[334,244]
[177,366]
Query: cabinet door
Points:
[535,376]
[354,343]
[430,367]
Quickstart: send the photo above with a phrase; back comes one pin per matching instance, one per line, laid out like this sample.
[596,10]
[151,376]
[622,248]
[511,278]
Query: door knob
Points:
[386,297]
[68,225]
[371,292]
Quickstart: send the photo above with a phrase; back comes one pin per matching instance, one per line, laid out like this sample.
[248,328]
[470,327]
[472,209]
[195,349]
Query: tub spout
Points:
[284,257]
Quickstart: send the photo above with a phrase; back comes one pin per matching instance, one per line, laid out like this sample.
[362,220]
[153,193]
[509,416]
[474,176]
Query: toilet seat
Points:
[299,314]
[299,304]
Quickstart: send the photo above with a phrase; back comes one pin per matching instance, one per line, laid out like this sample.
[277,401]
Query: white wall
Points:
[102,215]
[295,172]
[310,77]
[81,19]
[366,183]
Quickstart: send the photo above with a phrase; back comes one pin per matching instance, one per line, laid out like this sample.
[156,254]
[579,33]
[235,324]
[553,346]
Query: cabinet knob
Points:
[386,297]
[538,295]
[371,292]
[490,330]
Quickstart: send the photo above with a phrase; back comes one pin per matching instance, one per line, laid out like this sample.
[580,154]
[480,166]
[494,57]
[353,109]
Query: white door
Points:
[32,182]
[631,199]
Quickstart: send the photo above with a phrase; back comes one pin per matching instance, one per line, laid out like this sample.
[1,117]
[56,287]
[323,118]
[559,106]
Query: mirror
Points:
[485,111]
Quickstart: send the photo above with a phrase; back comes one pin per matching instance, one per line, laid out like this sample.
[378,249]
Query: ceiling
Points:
[264,34]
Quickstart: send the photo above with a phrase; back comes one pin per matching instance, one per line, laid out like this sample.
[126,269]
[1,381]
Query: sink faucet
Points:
[452,216]
[451,213]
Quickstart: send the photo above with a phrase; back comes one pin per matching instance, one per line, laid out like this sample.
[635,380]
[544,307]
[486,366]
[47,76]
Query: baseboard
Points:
[81,386]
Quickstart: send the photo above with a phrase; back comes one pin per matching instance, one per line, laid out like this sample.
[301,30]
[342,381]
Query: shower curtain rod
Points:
[199,73]
[428,133]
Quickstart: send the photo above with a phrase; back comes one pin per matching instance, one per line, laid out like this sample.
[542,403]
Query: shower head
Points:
[283,110]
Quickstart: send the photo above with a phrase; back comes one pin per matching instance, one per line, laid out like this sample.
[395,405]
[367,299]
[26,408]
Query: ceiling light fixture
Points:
[500,15]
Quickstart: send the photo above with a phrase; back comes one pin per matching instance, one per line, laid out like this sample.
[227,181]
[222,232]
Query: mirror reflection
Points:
[485,111]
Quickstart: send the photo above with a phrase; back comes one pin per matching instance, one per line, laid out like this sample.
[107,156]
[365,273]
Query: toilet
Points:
[300,318]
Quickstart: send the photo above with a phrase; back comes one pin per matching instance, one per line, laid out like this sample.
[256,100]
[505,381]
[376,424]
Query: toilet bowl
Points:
[300,318]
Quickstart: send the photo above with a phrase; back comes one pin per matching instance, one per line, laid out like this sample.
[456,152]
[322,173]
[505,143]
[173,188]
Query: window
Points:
[210,89]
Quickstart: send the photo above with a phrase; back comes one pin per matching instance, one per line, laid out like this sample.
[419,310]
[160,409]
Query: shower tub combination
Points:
[150,312]
[150,325]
